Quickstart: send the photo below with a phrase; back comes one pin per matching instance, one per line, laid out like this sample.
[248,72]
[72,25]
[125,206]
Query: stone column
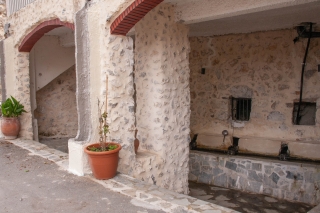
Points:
[3,16]
[104,70]
[163,99]
[77,158]
[118,55]
[16,83]
[22,92]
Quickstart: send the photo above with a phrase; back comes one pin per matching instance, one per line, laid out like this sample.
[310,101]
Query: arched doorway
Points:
[52,82]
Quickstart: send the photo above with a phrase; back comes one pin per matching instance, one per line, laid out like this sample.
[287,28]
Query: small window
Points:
[241,108]
[307,114]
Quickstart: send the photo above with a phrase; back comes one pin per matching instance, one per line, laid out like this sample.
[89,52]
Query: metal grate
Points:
[15,5]
[241,108]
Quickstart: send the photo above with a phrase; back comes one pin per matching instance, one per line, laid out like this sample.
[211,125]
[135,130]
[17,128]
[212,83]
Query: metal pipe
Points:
[302,75]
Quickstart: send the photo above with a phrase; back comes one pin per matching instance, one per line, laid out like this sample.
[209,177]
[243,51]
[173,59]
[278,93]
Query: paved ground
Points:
[60,144]
[34,184]
[137,193]
[58,191]
[244,202]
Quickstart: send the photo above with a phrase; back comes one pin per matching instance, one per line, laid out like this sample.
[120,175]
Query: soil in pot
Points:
[103,164]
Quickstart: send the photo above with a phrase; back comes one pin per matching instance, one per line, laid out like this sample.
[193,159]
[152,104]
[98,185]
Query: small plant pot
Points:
[10,127]
[104,165]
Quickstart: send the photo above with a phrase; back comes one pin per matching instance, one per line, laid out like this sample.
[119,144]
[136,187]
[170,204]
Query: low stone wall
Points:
[281,179]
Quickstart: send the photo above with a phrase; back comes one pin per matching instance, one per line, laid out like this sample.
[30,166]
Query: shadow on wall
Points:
[56,110]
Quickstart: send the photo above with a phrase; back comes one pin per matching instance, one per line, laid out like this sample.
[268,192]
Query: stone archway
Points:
[52,81]
[130,16]
[34,36]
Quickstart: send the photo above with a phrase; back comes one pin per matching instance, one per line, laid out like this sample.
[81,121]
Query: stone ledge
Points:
[259,158]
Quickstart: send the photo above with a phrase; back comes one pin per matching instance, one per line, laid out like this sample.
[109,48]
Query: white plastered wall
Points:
[50,60]
[190,11]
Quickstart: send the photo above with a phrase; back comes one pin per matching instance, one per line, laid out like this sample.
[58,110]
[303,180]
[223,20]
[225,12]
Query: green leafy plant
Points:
[12,108]
[103,132]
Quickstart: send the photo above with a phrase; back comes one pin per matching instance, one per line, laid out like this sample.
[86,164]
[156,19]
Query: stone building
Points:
[168,68]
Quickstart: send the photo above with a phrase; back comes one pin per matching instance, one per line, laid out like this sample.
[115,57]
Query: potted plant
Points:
[10,124]
[103,156]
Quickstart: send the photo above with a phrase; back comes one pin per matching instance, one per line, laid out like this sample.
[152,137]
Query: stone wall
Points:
[163,100]
[3,16]
[56,107]
[264,66]
[285,180]
[22,91]
[25,20]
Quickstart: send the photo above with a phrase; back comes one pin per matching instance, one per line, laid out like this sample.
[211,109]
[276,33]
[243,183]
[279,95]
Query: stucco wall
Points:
[26,19]
[50,60]
[265,66]
[190,12]
[56,111]
[162,95]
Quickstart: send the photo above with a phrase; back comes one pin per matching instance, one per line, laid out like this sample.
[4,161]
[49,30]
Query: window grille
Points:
[241,108]
[307,115]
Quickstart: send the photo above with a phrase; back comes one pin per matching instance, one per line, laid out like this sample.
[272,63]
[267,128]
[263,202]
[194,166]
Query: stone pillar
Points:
[104,70]
[16,83]
[22,92]
[77,158]
[3,16]
[163,99]
[2,73]
[119,62]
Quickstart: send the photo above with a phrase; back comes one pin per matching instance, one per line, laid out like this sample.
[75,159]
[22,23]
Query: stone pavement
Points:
[60,144]
[149,195]
[243,201]
[157,198]
[33,184]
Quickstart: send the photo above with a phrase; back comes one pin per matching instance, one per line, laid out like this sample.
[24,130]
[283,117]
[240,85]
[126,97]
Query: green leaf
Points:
[12,108]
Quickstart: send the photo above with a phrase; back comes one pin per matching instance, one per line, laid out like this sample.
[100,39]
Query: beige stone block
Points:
[263,146]
[213,141]
[305,150]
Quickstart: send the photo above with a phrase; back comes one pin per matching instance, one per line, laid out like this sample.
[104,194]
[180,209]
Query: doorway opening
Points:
[53,88]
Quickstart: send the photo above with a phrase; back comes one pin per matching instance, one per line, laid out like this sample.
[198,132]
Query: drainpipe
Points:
[302,75]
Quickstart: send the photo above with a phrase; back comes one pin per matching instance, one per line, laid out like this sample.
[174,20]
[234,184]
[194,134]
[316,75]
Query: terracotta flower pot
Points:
[10,127]
[103,164]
